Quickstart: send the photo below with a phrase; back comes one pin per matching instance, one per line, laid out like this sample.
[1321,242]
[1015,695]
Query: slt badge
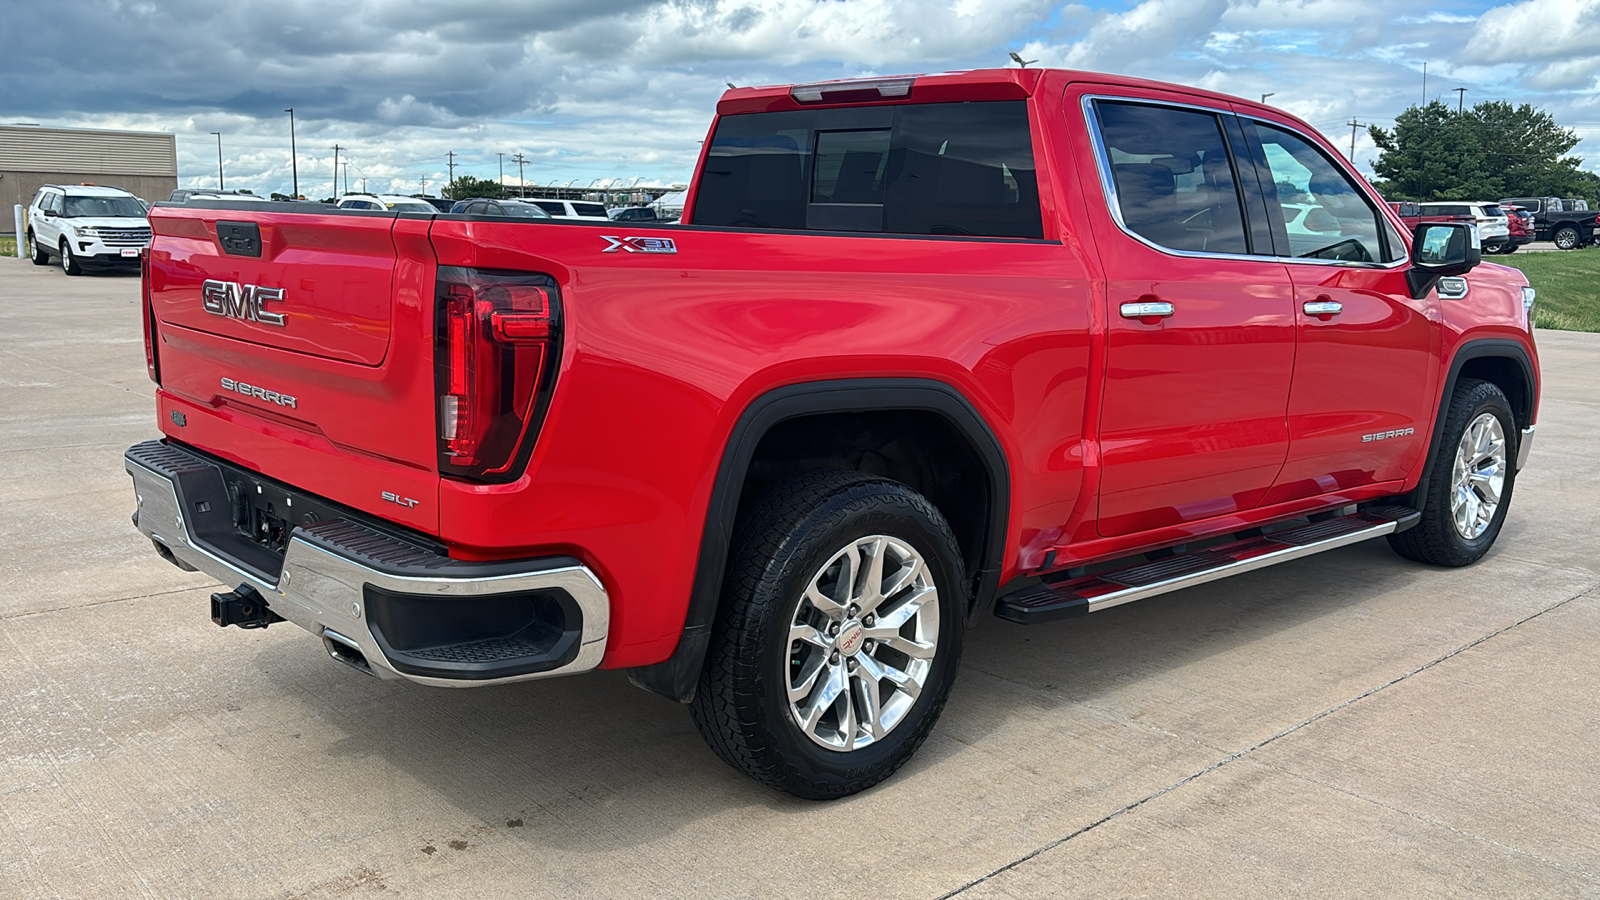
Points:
[640,244]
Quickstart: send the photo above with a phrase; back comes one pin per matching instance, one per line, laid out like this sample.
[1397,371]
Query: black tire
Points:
[39,255]
[69,263]
[1567,238]
[1509,249]
[788,537]
[1436,539]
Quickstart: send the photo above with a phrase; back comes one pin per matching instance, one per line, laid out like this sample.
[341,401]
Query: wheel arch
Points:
[677,676]
[1505,363]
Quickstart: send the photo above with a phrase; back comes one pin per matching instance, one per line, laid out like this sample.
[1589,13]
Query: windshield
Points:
[124,207]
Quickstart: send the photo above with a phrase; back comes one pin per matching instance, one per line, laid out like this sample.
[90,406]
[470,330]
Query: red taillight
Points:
[498,336]
[152,362]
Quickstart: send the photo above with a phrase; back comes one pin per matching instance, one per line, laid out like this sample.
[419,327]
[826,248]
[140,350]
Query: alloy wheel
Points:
[1478,476]
[862,642]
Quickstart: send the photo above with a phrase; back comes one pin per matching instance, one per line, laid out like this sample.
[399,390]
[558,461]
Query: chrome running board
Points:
[1080,596]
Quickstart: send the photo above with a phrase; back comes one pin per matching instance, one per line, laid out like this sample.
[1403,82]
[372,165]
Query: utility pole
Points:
[219,159]
[519,159]
[294,163]
[336,149]
[502,171]
[1353,126]
[451,185]
[1461,99]
[424,183]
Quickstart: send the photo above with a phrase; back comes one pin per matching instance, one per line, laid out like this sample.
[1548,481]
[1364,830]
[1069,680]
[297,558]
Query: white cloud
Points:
[1537,30]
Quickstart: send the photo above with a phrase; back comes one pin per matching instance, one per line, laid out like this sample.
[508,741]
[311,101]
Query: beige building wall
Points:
[144,163]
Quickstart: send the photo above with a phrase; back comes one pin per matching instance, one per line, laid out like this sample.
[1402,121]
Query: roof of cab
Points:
[973,84]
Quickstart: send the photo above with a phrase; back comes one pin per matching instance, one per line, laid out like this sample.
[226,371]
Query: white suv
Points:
[1494,229]
[85,225]
[571,209]
[394,202]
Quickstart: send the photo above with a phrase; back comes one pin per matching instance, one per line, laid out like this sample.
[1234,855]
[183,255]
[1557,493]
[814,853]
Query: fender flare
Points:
[1483,348]
[677,676]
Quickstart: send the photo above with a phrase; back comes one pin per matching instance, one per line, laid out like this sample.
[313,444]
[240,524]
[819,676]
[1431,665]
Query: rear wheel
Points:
[1509,249]
[838,635]
[1566,238]
[39,255]
[69,263]
[1469,489]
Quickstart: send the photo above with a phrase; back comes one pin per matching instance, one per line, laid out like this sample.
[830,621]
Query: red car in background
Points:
[1520,221]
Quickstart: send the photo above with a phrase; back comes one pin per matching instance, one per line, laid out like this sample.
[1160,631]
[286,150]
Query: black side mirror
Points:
[1441,249]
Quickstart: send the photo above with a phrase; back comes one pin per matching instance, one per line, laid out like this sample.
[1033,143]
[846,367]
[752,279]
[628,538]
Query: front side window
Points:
[1326,216]
[928,168]
[1174,183]
[553,208]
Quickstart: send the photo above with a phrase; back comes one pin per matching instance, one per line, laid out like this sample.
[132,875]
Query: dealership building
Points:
[144,163]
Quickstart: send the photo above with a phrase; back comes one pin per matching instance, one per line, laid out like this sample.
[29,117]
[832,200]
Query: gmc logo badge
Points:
[233,300]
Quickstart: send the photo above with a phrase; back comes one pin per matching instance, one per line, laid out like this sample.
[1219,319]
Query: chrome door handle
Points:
[1145,310]
[1323,308]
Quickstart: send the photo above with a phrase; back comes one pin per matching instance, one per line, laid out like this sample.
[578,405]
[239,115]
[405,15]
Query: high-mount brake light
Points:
[858,89]
[498,340]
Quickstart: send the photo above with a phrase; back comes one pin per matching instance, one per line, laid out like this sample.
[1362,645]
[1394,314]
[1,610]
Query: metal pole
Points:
[502,171]
[336,149]
[1424,84]
[347,178]
[1461,99]
[219,159]
[22,231]
[294,162]
[450,185]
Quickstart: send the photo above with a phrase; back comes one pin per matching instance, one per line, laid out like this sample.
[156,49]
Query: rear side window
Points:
[1174,183]
[934,168]
[589,209]
[554,209]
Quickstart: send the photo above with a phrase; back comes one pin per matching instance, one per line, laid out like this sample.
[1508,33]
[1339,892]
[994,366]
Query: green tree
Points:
[467,186]
[1492,150]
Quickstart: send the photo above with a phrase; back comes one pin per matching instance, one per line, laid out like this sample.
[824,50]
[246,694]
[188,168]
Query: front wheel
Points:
[69,263]
[1566,238]
[838,635]
[1469,489]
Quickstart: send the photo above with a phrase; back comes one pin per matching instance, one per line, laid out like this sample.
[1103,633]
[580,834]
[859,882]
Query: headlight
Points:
[88,231]
[1527,306]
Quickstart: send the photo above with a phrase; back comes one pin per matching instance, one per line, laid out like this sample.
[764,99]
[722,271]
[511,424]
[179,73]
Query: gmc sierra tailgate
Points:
[299,344]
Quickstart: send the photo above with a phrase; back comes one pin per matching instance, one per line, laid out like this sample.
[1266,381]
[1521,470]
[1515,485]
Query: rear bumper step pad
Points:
[1081,596]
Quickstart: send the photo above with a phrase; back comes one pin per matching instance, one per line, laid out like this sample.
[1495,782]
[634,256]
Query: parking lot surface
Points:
[1352,725]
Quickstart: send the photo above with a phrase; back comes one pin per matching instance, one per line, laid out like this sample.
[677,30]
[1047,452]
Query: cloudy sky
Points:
[600,89]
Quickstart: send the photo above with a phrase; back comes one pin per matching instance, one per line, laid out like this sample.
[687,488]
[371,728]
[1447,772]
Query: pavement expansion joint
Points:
[1241,754]
[91,605]
[1471,835]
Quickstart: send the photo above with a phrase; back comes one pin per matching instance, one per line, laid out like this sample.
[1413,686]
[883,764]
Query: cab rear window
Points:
[935,168]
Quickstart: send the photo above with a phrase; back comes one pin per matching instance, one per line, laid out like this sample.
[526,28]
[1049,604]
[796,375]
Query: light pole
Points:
[294,164]
[502,172]
[336,149]
[219,159]
[1265,96]
[1461,98]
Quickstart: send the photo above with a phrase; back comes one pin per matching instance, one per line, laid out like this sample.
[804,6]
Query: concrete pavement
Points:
[1349,725]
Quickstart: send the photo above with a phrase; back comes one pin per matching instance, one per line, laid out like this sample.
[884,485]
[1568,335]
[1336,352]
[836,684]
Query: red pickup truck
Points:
[925,351]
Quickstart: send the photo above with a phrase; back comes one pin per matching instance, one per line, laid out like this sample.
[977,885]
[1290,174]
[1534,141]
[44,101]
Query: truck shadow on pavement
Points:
[565,762]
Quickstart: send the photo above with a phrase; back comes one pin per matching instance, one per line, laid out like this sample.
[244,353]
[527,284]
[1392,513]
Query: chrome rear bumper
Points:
[323,585]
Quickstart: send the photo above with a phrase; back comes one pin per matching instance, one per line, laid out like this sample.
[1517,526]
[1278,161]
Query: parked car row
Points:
[1568,223]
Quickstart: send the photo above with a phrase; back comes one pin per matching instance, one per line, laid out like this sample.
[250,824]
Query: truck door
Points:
[1364,374]
[1200,333]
